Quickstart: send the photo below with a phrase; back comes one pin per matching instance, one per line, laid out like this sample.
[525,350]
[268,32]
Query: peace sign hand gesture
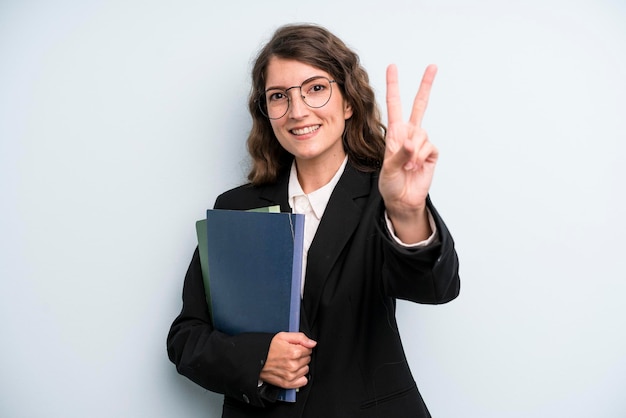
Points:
[409,161]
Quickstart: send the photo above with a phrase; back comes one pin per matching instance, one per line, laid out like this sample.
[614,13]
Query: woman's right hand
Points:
[287,363]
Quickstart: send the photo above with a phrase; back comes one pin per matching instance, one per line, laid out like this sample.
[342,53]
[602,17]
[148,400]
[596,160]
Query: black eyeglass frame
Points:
[262,104]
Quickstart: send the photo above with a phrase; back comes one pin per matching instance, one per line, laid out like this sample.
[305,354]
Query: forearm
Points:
[432,238]
[218,362]
[425,274]
[411,226]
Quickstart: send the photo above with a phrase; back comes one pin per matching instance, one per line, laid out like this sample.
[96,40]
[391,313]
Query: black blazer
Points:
[354,274]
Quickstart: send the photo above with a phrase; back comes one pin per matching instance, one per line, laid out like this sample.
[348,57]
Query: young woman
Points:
[372,235]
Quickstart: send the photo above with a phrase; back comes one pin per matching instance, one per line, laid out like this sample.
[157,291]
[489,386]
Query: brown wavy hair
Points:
[364,134]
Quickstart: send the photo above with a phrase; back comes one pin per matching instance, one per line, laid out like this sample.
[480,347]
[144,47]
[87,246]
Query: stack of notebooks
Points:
[252,270]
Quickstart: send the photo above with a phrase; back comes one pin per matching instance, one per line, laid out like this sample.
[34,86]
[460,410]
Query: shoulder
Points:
[237,198]
[249,196]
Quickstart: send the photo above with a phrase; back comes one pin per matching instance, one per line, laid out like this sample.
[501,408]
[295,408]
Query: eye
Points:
[316,87]
[276,96]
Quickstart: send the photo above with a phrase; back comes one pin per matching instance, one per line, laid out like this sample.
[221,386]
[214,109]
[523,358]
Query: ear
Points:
[347,110]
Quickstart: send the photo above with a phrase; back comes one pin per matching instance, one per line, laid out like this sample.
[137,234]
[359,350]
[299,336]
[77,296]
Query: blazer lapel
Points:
[340,219]
[278,193]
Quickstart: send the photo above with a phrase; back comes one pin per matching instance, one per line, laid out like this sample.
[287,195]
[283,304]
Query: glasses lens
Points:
[276,103]
[316,92]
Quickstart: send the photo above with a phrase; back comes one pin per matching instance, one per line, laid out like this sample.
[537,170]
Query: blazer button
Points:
[245,398]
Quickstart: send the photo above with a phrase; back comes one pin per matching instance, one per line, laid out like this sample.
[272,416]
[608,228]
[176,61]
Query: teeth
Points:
[306,130]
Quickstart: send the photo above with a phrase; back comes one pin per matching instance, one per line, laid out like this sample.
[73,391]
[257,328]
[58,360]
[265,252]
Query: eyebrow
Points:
[297,85]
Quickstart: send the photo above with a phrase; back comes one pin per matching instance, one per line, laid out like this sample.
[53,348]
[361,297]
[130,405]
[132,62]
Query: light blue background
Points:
[121,121]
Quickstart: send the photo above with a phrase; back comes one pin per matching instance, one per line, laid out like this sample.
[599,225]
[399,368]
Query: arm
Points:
[218,362]
[428,274]
[233,365]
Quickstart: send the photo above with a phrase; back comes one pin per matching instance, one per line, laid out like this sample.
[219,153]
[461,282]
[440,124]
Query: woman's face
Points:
[311,135]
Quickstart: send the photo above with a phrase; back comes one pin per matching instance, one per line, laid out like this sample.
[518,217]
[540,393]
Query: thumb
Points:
[303,340]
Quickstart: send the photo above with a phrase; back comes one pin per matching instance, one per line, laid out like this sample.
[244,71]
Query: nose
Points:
[297,108]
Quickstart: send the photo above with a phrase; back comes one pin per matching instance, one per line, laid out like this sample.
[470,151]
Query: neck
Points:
[314,175]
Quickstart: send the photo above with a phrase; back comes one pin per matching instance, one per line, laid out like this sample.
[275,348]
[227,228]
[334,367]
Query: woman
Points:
[318,147]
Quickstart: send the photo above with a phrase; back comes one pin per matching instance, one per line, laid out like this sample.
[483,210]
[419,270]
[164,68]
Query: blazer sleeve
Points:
[425,275]
[218,362]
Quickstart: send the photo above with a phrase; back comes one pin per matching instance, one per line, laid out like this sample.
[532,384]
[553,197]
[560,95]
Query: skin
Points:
[318,154]
[404,181]
[409,162]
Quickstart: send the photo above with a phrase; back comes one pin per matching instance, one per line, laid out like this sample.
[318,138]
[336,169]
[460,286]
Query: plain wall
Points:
[121,121]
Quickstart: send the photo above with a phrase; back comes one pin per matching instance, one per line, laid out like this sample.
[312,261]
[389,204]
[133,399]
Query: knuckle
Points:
[296,352]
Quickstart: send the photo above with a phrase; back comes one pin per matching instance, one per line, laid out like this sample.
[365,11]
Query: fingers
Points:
[405,140]
[414,152]
[295,343]
[295,375]
[293,380]
[428,153]
[287,363]
[394,105]
[285,378]
[300,338]
[423,94]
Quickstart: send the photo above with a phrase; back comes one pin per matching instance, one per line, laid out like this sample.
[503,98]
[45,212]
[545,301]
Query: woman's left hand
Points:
[409,161]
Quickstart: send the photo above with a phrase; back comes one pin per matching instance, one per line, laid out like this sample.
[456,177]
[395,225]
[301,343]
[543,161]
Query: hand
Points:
[409,161]
[288,360]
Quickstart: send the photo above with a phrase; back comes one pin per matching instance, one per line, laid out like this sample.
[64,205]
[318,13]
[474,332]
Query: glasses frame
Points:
[262,102]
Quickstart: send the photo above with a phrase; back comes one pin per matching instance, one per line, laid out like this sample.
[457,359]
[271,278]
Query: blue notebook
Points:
[253,266]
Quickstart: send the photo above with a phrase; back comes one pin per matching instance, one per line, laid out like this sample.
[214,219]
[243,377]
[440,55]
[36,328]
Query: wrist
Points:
[410,225]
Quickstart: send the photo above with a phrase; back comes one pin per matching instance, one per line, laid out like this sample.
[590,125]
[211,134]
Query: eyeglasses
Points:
[315,93]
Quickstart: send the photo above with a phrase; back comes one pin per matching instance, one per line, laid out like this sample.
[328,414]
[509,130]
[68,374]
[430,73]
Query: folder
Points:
[252,271]
[202,248]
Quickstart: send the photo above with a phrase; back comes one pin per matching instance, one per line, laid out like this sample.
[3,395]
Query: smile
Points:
[305,130]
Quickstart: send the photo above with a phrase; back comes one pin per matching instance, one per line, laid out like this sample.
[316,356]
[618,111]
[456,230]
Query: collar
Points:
[320,197]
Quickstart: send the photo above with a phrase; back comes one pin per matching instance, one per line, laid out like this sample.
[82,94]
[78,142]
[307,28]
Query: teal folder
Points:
[252,271]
